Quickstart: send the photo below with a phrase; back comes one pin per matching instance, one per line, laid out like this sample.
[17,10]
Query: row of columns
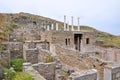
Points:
[52,27]
[66,28]
[66,25]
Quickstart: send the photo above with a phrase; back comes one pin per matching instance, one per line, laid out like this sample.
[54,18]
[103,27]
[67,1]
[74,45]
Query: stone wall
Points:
[112,72]
[108,54]
[43,54]
[59,37]
[91,42]
[31,55]
[15,48]
[47,70]
[27,67]
[37,44]
[5,58]
[1,72]
[84,75]
[66,38]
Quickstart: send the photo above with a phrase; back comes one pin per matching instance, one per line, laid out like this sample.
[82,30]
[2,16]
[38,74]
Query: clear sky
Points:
[101,14]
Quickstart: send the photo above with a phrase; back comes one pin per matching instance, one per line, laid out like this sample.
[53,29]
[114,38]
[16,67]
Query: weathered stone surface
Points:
[29,69]
[43,55]
[47,70]
[1,72]
[31,55]
[15,48]
[5,58]
[112,72]
[84,75]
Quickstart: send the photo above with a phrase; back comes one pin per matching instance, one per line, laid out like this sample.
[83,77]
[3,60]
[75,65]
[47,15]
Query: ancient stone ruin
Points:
[57,53]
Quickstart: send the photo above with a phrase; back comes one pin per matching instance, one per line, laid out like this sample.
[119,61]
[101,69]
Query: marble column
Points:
[52,26]
[68,26]
[57,27]
[48,27]
[72,23]
[78,24]
[64,23]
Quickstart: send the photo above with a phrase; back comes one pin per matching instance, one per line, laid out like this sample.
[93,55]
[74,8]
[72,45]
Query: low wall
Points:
[47,70]
[112,72]
[27,67]
[31,55]
[84,75]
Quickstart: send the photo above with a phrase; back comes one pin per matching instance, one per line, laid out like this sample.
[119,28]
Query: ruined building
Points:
[56,52]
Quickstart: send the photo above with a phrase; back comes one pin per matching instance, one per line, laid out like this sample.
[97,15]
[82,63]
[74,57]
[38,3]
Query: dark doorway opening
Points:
[66,42]
[77,41]
[87,41]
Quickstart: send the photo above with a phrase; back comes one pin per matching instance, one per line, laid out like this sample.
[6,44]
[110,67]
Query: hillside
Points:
[10,21]
[108,40]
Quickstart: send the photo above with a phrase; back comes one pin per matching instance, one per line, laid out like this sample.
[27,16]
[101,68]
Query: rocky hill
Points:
[10,21]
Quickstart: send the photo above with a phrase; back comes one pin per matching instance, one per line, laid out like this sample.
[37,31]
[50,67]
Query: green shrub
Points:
[9,74]
[17,64]
[2,47]
[23,76]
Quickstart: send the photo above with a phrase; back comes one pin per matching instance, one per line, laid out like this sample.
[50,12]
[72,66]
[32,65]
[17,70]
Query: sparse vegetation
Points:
[17,64]
[9,74]
[23,76]
[109,40]
[49,59]
[2,47]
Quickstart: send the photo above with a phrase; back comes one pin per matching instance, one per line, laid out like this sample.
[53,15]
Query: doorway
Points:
[77,41]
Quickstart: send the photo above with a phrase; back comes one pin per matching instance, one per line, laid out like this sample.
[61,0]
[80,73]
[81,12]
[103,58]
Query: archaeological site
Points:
[54,50]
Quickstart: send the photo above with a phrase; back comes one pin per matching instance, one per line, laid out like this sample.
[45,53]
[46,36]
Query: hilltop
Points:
[10,21]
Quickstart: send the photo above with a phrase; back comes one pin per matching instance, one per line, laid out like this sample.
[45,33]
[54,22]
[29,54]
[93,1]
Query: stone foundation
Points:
[47,70]
[27,67]
[84,75]
[31,55]
[112,72]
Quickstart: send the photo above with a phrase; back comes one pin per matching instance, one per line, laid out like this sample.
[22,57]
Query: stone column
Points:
[56,26]
[48,27]
[52,26]
[68,26]
[72,23]
[78,24]
[64,23]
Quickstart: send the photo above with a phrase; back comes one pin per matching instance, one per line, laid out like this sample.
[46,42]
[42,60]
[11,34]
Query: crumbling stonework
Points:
[15,49]
[27,67]
[43,55]
[1,72]
[84,75]
[47,70]
[112,72]
[5,57]
[31,55]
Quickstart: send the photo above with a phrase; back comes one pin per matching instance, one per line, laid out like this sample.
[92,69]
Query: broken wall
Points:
[47,70]
[84,75]
[112,72]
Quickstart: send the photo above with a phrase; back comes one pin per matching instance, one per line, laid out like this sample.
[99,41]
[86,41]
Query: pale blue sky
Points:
[101,14]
